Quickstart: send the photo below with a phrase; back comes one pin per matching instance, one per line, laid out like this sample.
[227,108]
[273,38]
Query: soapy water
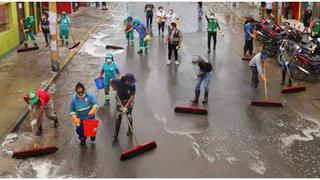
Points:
[10,138]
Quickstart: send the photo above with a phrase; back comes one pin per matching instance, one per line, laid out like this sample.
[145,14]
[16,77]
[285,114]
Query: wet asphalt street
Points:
[233,140]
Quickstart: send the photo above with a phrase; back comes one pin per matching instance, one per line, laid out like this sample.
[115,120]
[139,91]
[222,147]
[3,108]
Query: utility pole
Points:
[54,37]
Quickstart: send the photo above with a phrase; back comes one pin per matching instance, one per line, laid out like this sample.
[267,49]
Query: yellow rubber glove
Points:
[93,111]
[75,119]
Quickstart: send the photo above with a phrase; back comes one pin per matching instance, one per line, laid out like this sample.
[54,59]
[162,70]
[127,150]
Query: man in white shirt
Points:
[256,64]
[172,17]
[161,19]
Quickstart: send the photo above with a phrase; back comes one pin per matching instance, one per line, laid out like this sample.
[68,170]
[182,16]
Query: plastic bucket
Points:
[99,83]
[90,127]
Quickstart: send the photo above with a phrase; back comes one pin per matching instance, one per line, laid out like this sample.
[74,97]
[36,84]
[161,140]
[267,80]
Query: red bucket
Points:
[90,127]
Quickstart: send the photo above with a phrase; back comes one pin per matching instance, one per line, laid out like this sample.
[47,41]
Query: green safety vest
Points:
[212,25]
[317,26]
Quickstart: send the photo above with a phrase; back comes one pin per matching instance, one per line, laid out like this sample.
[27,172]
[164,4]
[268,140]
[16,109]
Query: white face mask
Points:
[109,60]
[211,16]
[161,10]
[171,12]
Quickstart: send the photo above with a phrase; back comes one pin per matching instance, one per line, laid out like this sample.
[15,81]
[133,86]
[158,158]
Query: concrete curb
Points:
[66,61]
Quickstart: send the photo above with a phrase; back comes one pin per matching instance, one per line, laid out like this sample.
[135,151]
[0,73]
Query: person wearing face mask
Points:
[126,91]
[45,27]
[148,9]
[172,17]
[174,43]
[213,25]
[64,23]
[161,19]
[83,107]
[111,71]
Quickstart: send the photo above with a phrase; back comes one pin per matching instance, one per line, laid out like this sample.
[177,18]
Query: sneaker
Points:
[177,63]
[140,51]
[194,102]
[83,142]
[168,62]
[93,138]
[205,101]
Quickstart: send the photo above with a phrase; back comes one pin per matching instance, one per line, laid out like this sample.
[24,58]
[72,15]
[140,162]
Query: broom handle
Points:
[33,131]
[289,73]
[25,36]
[265,82]
[74,42]
[134,137]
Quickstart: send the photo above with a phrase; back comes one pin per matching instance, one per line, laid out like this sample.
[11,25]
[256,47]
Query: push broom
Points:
[191,109]
[266,102]
[294,88]
[35,151]
[74,42]
[139,148]
[26,39]
[113,47]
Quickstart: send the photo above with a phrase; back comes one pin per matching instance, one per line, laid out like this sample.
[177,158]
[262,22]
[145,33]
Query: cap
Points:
[130,77]
[33,97]
[109,55]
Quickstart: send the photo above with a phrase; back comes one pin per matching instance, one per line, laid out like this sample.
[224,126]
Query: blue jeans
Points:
[80,129]
[206,78]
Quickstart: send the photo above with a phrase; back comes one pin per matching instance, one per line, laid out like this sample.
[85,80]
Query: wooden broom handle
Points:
[265,82]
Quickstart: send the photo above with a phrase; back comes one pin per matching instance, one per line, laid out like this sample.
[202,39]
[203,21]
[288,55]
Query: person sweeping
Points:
[128,29]
[248,37]
[290,51]
[142,31]
[256,64]
[83,106]
[111,71]
[203,75]
[126,91]
[64,23]
[39,101]
[28,29]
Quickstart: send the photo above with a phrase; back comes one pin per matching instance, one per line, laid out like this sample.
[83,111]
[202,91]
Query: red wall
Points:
[295,9]
[61,6]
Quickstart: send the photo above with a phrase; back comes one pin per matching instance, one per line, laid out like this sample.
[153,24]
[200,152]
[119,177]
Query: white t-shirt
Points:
[172,18]
[161,15]
[269,5]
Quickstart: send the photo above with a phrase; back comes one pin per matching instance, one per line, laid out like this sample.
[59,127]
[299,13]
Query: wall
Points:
[10,38]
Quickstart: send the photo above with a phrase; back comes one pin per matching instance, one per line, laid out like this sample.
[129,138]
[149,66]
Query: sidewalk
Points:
[243,9]
[21,72]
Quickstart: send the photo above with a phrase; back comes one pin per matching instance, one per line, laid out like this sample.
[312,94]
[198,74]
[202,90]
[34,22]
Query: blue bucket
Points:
[99,83]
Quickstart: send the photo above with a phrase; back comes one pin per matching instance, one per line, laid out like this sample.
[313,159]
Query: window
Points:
[4,17]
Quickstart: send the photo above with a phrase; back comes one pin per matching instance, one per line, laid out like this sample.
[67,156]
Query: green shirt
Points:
[317,26]
[212,25]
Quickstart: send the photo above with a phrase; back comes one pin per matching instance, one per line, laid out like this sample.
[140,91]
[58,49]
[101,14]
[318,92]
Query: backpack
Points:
[205,66]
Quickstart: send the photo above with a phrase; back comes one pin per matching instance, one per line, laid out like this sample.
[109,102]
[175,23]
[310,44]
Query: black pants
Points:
[119,119]
[149,20]
[173,47]
[248,45]
[161,26]
[46,35]
[214,36]
[254,77]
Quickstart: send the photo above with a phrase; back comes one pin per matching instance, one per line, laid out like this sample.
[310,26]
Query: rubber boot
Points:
[107,102]
[39,132]
[196,98]
[35,44]
[56,123]
[140,51]
[83,141]
[62,42]
[290,82]
[283,77]
[205,100]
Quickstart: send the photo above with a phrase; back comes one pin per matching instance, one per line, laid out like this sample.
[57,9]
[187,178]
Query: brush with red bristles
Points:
[139,148]
[266,102]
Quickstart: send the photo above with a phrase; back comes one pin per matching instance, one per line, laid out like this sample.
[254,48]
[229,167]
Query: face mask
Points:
[211,16]
[171,12]
[109,60]
[43,17]
[161,10]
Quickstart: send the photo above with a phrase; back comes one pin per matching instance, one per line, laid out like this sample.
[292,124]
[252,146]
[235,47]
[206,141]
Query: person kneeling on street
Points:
[256,64]
[39,101]
[203,74]
[126,90]
[83,107]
